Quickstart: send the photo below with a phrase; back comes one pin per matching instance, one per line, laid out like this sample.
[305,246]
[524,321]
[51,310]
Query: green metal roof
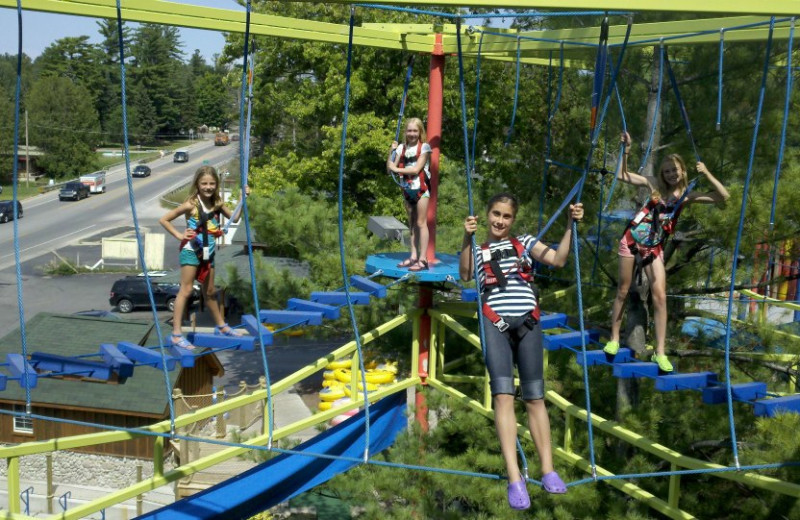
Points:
[68,335]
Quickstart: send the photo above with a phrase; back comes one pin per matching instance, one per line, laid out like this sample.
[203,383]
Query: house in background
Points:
[140,401]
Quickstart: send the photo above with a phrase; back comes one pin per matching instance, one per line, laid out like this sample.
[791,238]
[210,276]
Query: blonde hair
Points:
[201,172]
[423,138]
[683,182]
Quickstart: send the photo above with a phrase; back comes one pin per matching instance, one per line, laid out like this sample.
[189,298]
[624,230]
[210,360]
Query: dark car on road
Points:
[7,210]
[181,156]
[73,190]
[141,170]
[131,292]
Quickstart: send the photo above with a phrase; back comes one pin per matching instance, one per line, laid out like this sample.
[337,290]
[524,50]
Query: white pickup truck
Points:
[96,181]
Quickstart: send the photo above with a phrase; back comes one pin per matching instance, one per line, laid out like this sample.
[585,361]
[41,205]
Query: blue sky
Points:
[42,29]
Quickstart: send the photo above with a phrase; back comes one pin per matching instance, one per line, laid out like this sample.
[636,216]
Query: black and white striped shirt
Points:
[516,298]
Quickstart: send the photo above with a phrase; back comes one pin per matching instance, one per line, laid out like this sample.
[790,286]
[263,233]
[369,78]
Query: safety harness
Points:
[203,250]
[413,195]
[659,231]
[495,277]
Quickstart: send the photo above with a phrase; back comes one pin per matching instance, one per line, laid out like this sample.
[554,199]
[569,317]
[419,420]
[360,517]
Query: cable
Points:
[737,247]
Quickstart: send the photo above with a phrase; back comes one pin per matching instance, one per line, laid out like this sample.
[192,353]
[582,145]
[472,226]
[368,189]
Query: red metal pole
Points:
[434,131]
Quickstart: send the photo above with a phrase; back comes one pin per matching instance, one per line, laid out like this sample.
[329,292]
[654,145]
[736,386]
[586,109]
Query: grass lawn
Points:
[23,192]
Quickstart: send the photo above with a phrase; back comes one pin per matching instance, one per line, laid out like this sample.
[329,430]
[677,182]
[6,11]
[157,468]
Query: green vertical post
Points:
[13,484]
[674,487]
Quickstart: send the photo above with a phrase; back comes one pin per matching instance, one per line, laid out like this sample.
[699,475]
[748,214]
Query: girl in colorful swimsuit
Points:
[411,160]
[513,334]
[643,241]
[202,210]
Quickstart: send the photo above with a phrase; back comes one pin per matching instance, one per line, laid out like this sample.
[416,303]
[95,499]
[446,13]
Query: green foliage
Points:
[66,125]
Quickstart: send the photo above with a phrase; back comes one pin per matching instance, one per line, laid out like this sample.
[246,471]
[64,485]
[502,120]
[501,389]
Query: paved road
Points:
[50,224]
[106,215]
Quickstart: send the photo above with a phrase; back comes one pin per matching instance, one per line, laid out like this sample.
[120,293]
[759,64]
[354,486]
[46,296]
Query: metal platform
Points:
[445,269]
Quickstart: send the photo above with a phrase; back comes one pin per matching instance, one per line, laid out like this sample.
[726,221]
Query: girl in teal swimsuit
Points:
[202,210]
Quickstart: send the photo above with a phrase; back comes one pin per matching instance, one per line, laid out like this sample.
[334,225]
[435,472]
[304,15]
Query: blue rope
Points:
[477,104]
[681,105]
[456,16]
[786,105]
[612,84]
[599,73]
[516,98]
[15,199]
[244,160]
[735,255]
[705,32]
[132,201]
[720,70]
[409,70]
[547,139]
[348,74]
[657,110]
[469,168]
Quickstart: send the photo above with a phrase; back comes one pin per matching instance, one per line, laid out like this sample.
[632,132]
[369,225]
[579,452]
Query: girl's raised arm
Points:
[720,194]
[622,173]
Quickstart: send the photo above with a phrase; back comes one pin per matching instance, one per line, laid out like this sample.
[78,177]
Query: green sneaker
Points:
[611,348]
[663,363]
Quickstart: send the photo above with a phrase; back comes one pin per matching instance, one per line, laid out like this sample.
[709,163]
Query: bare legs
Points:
[506,425]
[626,265]
[658,292]
[657,276]
[418,224]
[188,273]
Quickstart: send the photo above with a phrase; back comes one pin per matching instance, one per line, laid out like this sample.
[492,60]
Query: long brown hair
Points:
[216,199]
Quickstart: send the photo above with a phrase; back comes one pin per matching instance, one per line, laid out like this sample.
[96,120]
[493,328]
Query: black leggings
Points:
[519,345]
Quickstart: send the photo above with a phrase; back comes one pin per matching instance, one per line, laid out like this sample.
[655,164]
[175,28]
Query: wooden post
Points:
[50,489]
[139,498]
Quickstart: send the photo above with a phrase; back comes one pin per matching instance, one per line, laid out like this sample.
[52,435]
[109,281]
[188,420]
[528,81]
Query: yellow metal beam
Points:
[776,7]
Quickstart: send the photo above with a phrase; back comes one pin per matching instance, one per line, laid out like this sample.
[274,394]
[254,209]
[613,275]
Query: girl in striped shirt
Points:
[516,338]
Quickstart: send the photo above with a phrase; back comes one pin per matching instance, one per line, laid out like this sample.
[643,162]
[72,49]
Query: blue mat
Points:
[286,476]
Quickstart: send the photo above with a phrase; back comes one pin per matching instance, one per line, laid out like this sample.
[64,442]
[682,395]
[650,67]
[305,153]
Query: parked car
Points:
[181,156]
[7,210]
[141,170]
[131,292]
[73,190]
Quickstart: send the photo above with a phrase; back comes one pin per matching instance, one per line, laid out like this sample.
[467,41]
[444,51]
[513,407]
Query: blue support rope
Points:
[551,113]
[457,16]
[132,201]
[469,169]
[784,124]
[244,160]
[516,97]
[15,201]
[654,125]
[345,278]
[599,73]
[401,113]
[681,104]
[736,249]
[471,159]
[720,70]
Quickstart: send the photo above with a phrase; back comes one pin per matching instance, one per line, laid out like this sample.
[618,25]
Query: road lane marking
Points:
[55,239]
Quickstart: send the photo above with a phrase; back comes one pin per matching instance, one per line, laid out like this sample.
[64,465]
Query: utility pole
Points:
[27,154]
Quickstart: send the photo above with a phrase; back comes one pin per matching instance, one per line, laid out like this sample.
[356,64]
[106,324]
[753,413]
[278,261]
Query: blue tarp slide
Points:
[288,475]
